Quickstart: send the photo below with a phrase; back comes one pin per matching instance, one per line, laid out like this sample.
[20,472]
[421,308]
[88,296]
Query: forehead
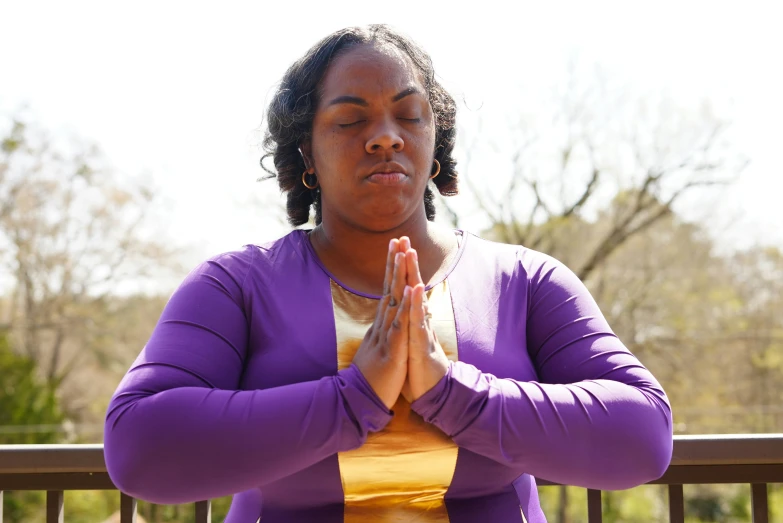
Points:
[370,70]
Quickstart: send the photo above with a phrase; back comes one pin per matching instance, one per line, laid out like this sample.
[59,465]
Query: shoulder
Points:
[550,287]
[234,267]
[529,264]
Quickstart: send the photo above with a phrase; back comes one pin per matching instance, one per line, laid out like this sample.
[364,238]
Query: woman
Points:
[379,367]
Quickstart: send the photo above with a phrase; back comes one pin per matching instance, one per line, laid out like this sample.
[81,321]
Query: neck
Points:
[357,256]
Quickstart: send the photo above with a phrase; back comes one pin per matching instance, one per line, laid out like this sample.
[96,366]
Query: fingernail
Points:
[391,245]
[414,254]
[407,291]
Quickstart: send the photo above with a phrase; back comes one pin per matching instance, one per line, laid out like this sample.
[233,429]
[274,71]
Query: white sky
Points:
[176,89]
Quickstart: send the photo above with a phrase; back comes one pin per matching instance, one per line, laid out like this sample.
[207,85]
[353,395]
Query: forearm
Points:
[596,433]
[192,443]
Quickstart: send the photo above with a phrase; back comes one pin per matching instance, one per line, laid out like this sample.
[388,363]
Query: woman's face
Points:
[373,140]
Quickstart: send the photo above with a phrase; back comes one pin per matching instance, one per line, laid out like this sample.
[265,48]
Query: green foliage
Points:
[25,400]
[649,504]
[14,140]
[181,513]
[87,506]
[23,506]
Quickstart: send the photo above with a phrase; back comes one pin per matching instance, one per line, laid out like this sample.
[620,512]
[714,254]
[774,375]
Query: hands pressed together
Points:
[400,353]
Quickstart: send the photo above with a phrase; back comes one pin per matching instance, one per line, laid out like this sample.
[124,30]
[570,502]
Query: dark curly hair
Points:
[289,117]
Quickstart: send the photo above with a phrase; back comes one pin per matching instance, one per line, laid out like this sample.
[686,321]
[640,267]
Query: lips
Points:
[388,167]
[388,173]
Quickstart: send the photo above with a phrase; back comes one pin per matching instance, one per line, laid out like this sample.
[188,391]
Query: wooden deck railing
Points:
[751,459]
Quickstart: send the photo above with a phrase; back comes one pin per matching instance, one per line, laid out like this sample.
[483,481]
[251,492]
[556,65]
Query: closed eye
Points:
[345,125]
[411,119]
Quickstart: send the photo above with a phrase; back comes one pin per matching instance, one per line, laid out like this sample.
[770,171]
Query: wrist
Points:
[437,367]
[367,410]
[455,402]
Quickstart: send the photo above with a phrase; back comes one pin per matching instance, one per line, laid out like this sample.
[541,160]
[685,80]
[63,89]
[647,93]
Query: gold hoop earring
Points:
[304,181]
[436,172]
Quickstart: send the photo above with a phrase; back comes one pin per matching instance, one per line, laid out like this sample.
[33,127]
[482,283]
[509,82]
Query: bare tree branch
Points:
[73,231]
[589,188]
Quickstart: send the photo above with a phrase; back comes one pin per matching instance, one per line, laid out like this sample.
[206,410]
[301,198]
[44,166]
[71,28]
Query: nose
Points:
[383,137]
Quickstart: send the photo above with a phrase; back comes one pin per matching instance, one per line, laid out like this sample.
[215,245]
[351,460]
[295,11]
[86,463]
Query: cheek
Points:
[325,147]
[427,136]
[428,141]
[423,144]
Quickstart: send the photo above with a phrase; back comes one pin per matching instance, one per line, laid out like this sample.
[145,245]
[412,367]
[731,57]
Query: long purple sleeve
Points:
[178,429]
[595,418]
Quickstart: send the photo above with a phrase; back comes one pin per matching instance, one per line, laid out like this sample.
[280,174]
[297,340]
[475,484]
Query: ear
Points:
[305,149]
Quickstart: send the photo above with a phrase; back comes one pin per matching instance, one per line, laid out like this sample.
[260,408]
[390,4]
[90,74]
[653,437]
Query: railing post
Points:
[758,503]
[204,512]
[54,506]
[1,506]
[676,504]
[127,509]
[594,509]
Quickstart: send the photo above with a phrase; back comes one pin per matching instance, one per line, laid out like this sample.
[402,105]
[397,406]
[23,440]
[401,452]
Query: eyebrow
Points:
[355,100]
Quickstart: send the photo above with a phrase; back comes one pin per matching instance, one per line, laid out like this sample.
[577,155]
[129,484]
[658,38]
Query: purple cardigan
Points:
[238,392]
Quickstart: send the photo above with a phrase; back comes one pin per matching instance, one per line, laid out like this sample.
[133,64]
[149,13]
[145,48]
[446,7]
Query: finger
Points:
[383,304]
[417,313]
[376,329]
[405,243]
[419,305]
[388,317]
[398,324]
[394,248]
[427,313]
[412,262]
[399,279]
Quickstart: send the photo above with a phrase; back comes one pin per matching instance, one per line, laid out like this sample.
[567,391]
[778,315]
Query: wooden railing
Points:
[751,459]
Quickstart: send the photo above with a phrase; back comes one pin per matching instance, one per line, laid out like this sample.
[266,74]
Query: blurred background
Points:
[639,144]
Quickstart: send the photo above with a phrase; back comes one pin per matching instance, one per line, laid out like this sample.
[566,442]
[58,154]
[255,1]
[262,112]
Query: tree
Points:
[590,172]
[25,400]
[758,277]
[569,157]
[72,233]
